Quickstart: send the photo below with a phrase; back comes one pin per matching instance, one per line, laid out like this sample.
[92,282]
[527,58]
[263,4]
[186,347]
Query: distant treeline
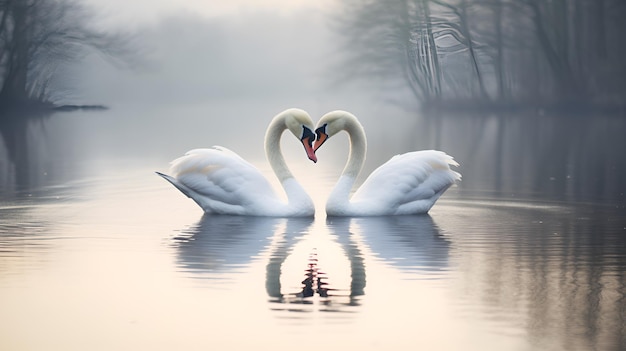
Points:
[496,53]
[37,38]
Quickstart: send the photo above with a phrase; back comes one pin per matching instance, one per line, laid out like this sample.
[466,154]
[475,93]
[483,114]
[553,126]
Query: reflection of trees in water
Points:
[562,270]
[585,285]
[24,237]
[579,158]
[19,168]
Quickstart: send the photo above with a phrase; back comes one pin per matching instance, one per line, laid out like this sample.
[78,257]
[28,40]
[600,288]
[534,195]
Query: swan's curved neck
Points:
[298,201]
[358,148]
[340,195]
[273,150]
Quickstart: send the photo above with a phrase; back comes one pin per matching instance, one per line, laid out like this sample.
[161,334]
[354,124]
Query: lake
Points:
[99,253]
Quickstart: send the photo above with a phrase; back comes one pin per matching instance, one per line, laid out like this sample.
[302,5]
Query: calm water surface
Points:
[114,258]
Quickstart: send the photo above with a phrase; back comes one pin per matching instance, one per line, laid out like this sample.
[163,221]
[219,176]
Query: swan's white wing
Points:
[220,181]
[407,184]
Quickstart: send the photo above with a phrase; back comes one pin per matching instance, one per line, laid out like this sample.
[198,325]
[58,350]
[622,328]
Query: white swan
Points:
[406,184]
[222,182]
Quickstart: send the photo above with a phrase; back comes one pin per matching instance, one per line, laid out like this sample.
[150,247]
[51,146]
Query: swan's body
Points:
[222,182]
[409,183]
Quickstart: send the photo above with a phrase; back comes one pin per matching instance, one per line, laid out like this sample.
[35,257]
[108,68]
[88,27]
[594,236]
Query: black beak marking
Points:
[307,133]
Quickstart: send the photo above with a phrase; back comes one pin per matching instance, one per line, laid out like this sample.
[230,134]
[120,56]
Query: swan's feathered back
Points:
[220,181]
[408,183]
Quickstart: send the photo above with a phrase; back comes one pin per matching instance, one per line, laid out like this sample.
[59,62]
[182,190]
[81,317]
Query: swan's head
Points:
[300,124]
[331,124]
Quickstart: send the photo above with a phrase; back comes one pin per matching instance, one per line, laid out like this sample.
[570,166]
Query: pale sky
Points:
[133,11]
[197,50]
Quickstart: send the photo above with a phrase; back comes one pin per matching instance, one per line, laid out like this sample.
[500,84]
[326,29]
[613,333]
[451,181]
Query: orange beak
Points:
[306,141]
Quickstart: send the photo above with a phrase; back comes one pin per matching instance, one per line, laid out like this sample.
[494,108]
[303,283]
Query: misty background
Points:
[527,95]
[528,250]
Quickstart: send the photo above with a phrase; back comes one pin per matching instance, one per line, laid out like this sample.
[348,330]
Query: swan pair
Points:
[222,182]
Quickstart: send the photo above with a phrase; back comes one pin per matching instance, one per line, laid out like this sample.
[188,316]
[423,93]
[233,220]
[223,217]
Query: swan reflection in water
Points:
[412,244]
[320,282]
[222,244]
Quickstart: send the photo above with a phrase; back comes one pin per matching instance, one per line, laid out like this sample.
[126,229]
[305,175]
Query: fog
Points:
[177,76]
[525,252]
[188,58]
[205,80]
[239,68]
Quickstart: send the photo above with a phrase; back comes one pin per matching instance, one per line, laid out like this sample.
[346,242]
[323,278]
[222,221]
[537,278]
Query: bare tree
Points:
[422,56]
[458,27]
[545,53]
[393,39]
[37,37]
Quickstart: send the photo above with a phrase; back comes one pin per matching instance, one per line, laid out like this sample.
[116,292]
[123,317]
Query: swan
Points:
[409,183]
[222,182]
